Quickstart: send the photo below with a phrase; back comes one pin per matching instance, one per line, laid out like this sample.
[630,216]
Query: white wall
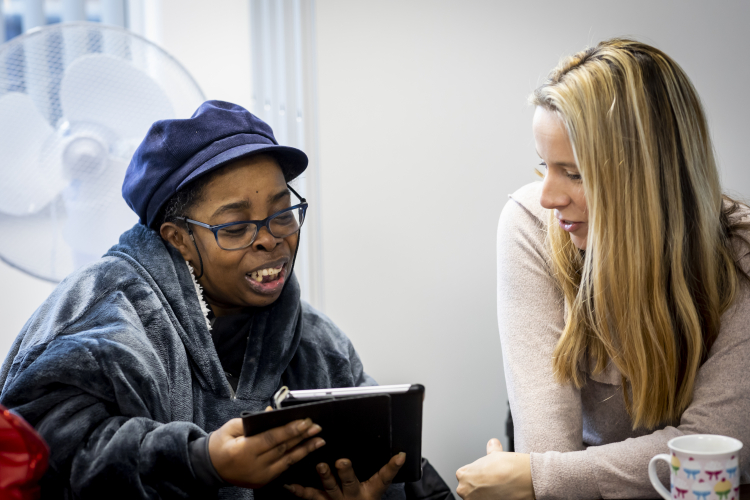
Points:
[424,131]
[212,40]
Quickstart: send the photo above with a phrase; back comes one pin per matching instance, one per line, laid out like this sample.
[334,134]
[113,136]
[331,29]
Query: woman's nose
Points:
[554,195]
[264,240]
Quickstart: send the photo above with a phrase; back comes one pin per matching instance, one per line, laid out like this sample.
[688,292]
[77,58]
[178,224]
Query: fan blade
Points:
[31,177]
[96,212]
[109,91]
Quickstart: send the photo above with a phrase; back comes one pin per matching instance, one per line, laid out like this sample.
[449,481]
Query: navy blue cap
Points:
[177,152]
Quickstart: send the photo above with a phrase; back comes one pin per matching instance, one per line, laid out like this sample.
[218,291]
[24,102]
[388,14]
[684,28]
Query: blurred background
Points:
[414,115]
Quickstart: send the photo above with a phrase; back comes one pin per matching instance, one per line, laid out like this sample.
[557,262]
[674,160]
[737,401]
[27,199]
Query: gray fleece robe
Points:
[118,372]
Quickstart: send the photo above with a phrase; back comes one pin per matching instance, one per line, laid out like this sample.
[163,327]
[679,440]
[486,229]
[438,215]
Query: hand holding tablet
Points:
[365,430]
[255,460]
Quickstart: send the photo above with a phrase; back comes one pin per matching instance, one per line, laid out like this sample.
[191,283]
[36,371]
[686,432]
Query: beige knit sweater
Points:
[581,442]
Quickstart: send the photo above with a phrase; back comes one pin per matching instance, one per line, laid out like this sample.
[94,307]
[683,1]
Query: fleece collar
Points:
[274,337]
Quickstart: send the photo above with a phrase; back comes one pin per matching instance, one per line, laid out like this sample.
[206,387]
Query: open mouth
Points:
[268,280]
[266,275]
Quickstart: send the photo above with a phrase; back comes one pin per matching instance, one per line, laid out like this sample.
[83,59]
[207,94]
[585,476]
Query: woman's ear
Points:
[178,238]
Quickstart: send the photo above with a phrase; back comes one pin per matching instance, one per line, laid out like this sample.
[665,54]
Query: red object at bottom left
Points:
[23,458]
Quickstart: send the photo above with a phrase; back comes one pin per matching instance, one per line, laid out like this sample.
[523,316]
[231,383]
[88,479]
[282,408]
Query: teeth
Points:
[258,275]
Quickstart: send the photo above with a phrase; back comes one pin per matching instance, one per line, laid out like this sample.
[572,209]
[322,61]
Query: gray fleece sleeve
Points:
[94,450]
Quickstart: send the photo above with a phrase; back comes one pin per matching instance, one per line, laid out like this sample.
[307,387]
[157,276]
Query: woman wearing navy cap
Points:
[194,317]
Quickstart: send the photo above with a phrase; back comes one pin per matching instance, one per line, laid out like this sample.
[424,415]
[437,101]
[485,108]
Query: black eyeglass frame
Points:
[259,224]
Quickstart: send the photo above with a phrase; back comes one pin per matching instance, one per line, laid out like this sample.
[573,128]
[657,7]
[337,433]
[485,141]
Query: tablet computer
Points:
[406,417]
[367,425]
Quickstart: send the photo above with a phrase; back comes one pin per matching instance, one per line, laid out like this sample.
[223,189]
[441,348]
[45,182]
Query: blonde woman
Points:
[623,296]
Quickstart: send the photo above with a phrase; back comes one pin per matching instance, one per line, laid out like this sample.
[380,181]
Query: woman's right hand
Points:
[254,461]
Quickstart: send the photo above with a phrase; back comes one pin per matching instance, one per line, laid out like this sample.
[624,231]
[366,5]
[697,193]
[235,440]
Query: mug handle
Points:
[660,489]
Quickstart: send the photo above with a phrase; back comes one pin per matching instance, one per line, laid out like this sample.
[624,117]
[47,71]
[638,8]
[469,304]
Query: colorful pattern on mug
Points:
[712,480]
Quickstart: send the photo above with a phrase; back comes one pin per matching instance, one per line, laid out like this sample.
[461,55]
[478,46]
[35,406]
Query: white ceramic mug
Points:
[702,467]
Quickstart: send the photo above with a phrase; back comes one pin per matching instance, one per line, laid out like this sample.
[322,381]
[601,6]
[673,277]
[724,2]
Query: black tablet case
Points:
[357,428]
[406,428]
[356,418]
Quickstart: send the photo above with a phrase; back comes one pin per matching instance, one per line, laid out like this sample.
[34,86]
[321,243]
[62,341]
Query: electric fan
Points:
[76,99]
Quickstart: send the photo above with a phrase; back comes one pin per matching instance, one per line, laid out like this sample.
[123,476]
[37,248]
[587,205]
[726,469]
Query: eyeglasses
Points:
[242,234]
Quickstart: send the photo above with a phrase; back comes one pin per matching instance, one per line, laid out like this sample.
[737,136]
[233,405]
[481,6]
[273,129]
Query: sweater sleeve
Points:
[546,415]
[721,403]
[203,467]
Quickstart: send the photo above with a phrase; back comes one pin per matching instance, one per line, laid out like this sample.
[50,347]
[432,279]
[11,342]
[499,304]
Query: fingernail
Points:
[401,458]
[303,425]
[319,444]
[314,430]
[321,468]
[344,463]
[289,487]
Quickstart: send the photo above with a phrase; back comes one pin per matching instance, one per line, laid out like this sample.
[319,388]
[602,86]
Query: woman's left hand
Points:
[498,475]
[351,488]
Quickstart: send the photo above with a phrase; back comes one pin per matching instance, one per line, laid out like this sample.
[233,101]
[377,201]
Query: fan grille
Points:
[75,101]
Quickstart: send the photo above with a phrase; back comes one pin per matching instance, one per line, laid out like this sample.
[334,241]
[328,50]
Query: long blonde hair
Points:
[658,270]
